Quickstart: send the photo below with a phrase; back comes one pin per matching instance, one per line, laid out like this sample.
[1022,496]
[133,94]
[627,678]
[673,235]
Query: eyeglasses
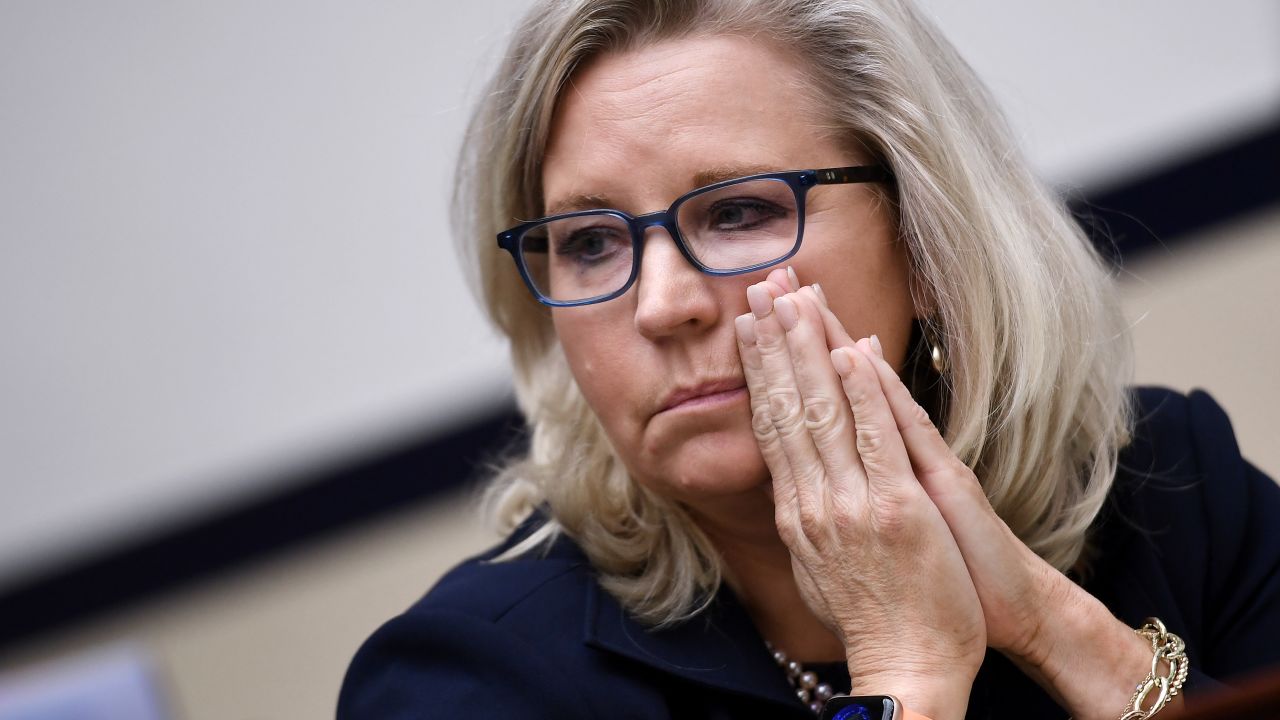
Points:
[728,228]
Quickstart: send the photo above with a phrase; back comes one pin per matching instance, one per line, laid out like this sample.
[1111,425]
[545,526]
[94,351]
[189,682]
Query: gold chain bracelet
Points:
[1171,649]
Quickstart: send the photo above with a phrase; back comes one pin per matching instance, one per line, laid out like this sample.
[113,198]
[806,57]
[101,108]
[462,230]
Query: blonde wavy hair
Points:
[1033,397]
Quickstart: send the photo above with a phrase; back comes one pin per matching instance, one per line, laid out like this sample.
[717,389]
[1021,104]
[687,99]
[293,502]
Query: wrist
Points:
[1085,658]
[1034,616]
[923,698]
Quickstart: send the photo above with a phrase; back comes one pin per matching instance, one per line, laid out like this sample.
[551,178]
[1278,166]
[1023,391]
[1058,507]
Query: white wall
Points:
[1101,91]
[225,242]
[225,249]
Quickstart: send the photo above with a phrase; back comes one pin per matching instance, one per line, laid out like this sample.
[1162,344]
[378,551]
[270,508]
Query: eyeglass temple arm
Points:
[854,174]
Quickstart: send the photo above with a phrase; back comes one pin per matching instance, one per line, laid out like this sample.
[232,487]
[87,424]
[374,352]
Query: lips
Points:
[684,394]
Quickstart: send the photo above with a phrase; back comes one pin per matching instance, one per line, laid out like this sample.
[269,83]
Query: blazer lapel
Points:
[719,647]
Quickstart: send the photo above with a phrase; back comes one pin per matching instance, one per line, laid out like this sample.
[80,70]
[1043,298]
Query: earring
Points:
[938,357]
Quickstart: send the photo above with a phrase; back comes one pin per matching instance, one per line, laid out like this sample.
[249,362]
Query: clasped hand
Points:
[893,542]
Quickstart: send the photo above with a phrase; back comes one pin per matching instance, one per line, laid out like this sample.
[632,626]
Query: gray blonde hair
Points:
[1034,396]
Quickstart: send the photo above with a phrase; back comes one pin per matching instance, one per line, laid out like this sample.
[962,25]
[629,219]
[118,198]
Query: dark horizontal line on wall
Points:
[1153,211]
[1172,204]
[322,504]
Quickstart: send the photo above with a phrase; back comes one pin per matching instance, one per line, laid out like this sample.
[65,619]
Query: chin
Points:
[709,465]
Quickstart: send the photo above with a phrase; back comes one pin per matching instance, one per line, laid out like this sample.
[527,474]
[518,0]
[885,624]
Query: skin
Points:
[846,525]
[636,134]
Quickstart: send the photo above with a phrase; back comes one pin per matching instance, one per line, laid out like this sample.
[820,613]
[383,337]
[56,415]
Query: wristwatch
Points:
[863,707]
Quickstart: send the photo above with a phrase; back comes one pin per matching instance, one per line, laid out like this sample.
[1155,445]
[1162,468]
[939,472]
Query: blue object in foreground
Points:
[853,712]
[113,684]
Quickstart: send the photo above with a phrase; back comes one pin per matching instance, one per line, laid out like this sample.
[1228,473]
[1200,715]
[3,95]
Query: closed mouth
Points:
[703,393]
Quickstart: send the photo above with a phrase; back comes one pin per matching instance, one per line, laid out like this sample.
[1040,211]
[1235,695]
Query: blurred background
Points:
[244,387]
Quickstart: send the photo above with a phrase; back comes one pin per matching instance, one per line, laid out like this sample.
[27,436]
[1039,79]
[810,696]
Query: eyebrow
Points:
[711,176]
[702,178]
[579,202]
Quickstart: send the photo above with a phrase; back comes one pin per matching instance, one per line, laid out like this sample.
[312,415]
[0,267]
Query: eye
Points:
[589,245]
[742,213]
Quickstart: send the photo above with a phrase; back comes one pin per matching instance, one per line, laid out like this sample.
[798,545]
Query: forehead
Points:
[637,126]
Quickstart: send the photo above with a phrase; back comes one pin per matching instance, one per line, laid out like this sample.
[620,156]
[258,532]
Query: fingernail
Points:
[746,327]
[760,301]
[864,345]
[788,314]
[875,345]
[795,279]
[842,361]
[817,290]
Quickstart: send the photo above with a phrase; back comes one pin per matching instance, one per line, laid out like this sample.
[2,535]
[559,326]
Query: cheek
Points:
[871,291]
[864,272]
[594,355]
[620,374]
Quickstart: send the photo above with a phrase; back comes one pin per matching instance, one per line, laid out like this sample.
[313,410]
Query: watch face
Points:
[866,707]
[855,712]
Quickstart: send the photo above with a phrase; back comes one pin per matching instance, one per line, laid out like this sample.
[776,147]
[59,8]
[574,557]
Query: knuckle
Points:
[818,540]
[860,395]
[919,417]
[846,523]
[821,417]
[857,394]
[894,522]
[953,471]
[784,407]
[762,422]
[787,530]
[970,482]
[812,518]
[962,471]
[771,340]
[870,441]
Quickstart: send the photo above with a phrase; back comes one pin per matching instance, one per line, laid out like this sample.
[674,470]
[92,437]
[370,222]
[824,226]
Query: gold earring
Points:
[938,357]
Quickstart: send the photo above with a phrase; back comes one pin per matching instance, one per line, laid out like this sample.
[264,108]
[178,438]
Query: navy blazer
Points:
[1188,535]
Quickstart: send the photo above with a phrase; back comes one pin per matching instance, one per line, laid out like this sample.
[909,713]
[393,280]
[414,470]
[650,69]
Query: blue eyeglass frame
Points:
[800,181]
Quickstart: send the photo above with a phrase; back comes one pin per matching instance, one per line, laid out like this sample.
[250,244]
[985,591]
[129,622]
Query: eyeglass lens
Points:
[727,228]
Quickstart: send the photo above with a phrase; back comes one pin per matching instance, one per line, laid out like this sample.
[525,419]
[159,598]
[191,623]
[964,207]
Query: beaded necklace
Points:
[809,689]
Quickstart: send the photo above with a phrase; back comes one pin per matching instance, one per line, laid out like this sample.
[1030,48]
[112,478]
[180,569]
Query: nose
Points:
[672,296]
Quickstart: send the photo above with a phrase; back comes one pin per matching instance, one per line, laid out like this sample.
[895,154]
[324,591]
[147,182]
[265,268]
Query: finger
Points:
[786,409]
[836,334]
[761,421]
[826,414]
[951,485]
[881,447]
[784,278]
[929,453]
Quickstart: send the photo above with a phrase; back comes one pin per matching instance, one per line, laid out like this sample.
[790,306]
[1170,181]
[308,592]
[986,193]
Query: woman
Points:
[962,509]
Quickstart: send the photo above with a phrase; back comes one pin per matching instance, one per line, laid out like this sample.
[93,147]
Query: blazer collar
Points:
[719,647]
